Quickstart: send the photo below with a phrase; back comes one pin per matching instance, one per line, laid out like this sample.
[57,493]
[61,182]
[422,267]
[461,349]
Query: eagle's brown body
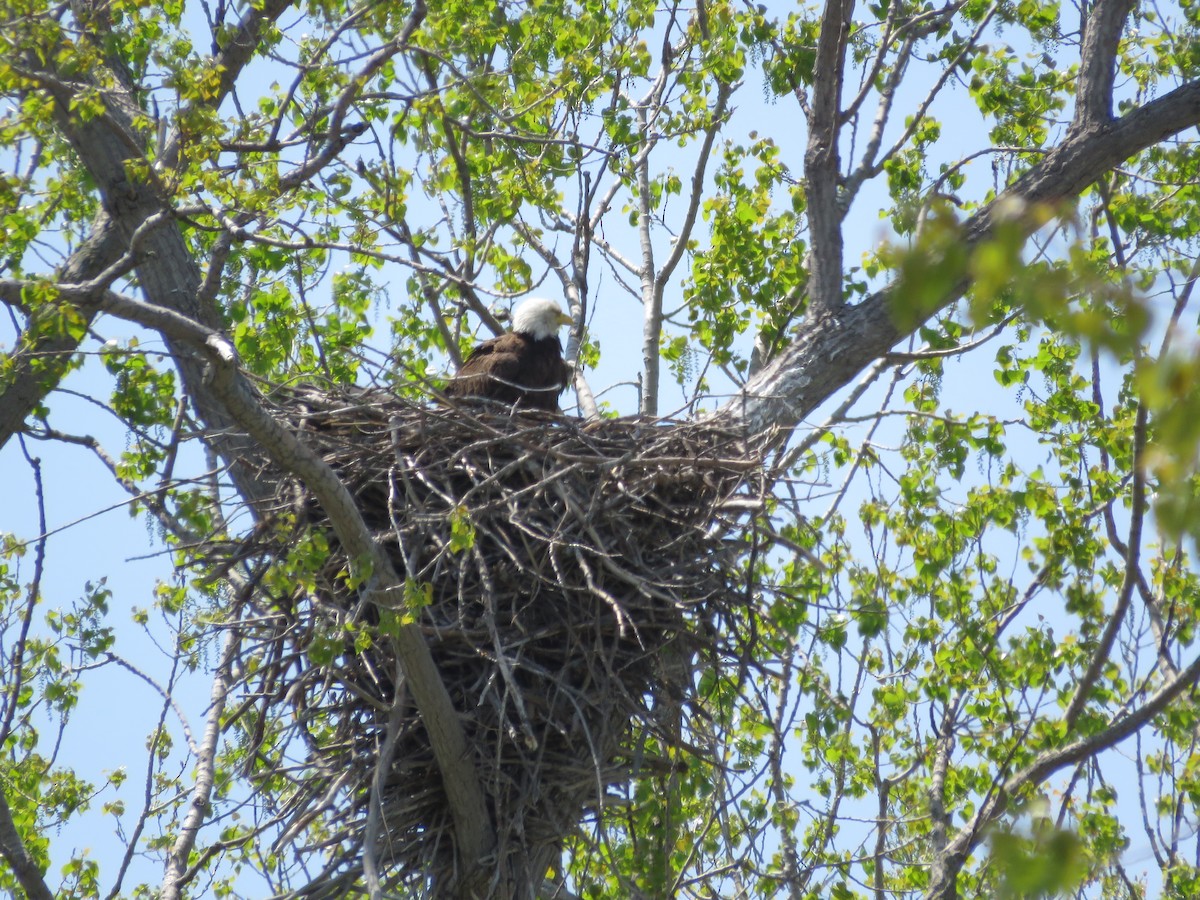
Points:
[524,367]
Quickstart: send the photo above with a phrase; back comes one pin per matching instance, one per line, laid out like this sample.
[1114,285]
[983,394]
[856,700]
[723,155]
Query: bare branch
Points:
[1105,21]
[206,764]
[651,299]
[1100,656]
[1059,758]
[872,164]
[15,676]
[822,165]
[148,784]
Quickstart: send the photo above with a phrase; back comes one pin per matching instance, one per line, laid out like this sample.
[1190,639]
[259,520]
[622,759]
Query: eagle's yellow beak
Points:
[565,319]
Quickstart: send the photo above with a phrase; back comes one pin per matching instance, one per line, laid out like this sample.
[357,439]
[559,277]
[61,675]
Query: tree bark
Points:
[41,360]
[822,162]
[12,850]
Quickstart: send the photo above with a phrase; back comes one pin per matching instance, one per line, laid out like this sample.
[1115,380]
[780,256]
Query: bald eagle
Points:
[524,367]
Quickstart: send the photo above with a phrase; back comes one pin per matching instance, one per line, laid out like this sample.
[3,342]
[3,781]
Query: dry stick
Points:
[383,764]
[506,671]
[326,800]
[164,692]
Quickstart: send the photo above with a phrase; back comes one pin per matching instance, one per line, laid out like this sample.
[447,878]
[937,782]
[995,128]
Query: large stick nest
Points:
[566,576]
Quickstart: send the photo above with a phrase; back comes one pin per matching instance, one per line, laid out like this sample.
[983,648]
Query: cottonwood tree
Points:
[976,654]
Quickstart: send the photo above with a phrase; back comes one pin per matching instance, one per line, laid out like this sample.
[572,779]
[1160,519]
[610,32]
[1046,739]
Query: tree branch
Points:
[12,848]
[206,764]
[832,348]
[1097,62]
[1053,760]
[651,299]
[1103,650]
[939,818]
[44,355]
[872,164]
[822,164]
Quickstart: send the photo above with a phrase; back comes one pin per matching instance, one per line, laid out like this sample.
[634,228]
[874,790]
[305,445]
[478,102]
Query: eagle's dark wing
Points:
[514,368]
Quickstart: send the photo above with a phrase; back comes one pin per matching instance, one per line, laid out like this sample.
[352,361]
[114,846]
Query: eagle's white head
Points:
[539,318]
